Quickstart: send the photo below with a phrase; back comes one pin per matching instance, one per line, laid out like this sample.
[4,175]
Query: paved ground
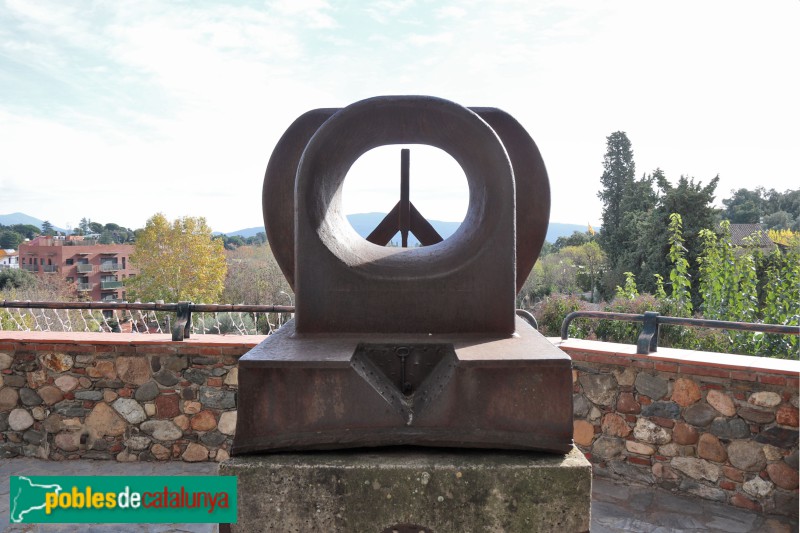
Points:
[632,508]
[615,508]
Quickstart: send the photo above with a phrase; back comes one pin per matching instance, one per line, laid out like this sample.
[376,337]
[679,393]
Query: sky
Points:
[114,111]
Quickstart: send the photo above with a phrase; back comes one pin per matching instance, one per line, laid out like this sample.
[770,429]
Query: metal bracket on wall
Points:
[648,338]
[183,321]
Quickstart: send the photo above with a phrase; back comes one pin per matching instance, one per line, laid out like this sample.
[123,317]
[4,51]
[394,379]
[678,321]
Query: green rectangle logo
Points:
[122,499]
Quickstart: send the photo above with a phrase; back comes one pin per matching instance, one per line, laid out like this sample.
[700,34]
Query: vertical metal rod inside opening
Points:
[405,204]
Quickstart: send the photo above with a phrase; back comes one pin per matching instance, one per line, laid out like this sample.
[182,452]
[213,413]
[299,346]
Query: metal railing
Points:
[110,267]
[648,338]
[141,317]
[83,268]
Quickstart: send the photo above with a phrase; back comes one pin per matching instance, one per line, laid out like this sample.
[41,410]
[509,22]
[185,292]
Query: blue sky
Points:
[117,110]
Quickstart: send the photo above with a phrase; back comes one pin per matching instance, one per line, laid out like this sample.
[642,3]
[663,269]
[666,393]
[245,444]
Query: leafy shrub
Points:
[550,314]
[625,332]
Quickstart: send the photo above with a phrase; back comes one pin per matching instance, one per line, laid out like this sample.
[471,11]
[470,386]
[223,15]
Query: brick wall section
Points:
[123,396]
[721,427]
[718,426]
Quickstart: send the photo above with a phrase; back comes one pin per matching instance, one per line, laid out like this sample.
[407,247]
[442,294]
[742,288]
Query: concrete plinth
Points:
[395,489]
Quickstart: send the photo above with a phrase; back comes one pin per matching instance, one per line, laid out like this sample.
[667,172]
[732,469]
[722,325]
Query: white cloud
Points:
[452,12]
[312,12]
[425,40]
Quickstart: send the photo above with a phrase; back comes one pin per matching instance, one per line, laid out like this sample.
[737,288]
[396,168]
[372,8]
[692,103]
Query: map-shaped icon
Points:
[26,497]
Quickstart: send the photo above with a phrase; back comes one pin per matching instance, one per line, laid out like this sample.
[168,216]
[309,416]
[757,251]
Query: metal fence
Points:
[180,319]
[648,338]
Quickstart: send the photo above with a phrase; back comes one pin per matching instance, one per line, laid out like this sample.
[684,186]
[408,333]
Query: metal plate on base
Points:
[314,392]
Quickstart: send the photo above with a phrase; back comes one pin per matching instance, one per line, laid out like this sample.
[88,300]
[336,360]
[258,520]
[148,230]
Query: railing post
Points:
[183,322]
[648,338]
[565,325]
[528,317]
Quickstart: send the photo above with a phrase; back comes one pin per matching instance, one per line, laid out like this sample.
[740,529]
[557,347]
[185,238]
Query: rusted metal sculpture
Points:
[395,346]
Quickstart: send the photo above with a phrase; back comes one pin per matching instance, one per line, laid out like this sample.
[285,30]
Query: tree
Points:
[27,231]
[10,240]
[106,238]
[231,242]
[553,273]
[591,263]
[258,239]
[778,220]
[638,203]
[254,277]
[16,278]
[178,261]
[745,206]
[777,210]
[618,176]
[576,239]
[627,203]
[693,202]
[47,228]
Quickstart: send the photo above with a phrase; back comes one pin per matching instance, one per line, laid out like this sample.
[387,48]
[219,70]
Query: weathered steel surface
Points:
[278,191]
[434,288]
[532,188]
[405,346]
[316,393]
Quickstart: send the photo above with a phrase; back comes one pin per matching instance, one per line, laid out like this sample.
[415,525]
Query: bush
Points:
[550,314]
[625,332]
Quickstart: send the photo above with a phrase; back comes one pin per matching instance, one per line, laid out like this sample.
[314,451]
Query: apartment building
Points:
[97,270]
[9,259]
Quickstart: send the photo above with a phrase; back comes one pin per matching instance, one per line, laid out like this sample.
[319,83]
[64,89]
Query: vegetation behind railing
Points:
[729,290]
[647,341]
[144,318]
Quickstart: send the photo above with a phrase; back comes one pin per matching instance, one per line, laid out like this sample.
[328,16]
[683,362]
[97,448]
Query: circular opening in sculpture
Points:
[438,193]
[392,121]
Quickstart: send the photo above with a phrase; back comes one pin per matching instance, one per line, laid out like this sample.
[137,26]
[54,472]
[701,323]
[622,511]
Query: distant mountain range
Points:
[22,218]
[364,223]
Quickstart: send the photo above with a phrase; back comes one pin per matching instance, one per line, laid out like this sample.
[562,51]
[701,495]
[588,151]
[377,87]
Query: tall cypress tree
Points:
[617,178]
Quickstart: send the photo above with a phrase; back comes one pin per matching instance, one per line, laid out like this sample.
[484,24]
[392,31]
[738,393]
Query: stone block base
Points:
[412,490]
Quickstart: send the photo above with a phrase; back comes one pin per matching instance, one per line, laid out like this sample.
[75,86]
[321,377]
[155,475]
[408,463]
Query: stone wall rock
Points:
[600,389]
[127,402]
[721,402]
[652,386]
[685,392]
[635,417]
[729,437]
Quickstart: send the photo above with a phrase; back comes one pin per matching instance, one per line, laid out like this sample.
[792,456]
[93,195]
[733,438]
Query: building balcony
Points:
[49,268]
[110,267]
[84,268]
[85,286]
[108,285]
[31,268]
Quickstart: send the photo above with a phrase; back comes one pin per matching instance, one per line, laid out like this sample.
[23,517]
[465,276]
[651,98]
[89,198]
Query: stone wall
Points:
[127,397]
[718,426]
[721,427]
